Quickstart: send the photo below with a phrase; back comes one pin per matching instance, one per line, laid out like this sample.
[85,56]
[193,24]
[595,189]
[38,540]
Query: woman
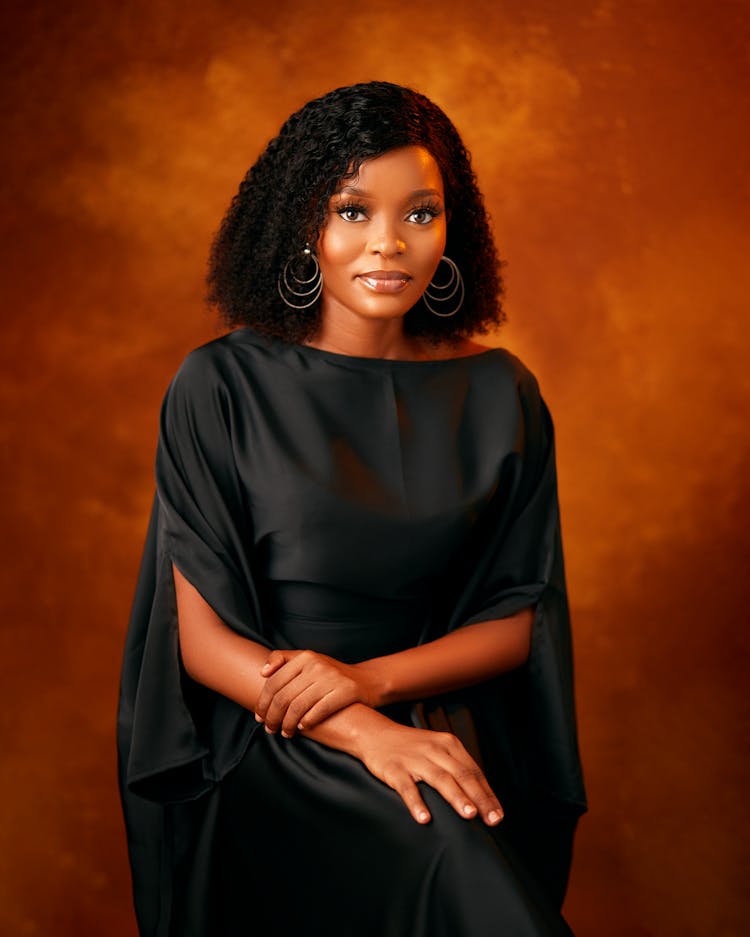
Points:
[349,651]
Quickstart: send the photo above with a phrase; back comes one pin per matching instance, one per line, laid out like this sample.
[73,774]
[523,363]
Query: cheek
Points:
[336,246]
[433,247]
[439,236]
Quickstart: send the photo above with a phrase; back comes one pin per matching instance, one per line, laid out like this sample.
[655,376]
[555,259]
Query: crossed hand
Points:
[304,688]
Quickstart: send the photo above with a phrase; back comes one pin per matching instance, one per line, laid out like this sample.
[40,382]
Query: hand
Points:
[303,688]
[400,756]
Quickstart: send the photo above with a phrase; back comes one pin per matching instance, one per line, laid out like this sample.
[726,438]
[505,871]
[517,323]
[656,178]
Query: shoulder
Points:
[205,363]
[199,395]
[217,368]
[504,386]
[198,418]
[502,367]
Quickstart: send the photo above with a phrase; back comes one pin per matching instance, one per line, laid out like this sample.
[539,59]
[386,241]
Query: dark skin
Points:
[393,225]
[398,755]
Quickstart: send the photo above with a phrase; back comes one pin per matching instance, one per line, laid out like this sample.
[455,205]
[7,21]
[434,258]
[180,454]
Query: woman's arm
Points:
[212,653]
[217,657]
[303,688]
[462,658]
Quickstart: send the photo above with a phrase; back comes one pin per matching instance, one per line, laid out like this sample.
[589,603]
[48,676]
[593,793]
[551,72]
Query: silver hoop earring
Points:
[312,287]
[443,293]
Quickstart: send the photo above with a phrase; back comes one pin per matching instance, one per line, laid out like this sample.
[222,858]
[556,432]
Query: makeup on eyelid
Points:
[383,239]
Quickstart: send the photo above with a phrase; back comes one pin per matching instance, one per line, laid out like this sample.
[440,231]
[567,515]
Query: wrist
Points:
[368,725]
[349,729]
[378,682]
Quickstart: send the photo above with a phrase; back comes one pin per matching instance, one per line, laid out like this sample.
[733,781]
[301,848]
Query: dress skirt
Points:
[332,851]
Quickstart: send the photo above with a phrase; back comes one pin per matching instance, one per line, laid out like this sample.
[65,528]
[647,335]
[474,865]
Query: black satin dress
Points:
[357,507]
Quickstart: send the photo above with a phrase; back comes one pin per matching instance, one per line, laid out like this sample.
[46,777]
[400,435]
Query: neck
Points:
[367,338]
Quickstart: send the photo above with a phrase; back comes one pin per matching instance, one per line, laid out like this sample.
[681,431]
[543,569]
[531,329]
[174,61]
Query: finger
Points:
[275,660]
[445,783]
[326,706]
[408,791]
[285,698]
[273,685]
[470,777]
[476,786]
[297,715]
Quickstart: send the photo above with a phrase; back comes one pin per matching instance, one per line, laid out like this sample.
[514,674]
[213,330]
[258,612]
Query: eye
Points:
[424,214]
[352,213]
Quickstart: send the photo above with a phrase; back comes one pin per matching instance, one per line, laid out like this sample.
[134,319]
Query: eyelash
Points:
[430,208]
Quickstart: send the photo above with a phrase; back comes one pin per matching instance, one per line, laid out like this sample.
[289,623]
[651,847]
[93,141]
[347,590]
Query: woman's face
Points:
[384,236]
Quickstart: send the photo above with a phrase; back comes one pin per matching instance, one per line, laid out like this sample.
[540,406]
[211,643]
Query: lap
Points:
[311,842]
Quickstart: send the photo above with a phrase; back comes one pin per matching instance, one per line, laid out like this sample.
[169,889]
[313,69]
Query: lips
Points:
[384,281]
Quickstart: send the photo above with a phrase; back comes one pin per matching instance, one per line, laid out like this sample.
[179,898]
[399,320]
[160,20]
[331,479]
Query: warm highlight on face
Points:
[610,144]
[384,237]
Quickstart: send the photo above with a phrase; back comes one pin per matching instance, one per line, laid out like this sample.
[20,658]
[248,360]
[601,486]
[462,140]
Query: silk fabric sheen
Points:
[355,506]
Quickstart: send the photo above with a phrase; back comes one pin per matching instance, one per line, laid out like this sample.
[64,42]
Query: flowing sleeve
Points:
[176,738]
[516,562]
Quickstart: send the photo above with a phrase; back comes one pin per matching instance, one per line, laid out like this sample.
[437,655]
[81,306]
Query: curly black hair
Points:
[282,203]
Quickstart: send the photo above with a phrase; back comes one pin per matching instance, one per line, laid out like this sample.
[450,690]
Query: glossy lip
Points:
[385,281]
[385,275]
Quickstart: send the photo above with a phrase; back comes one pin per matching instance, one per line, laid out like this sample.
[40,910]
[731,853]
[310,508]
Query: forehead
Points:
[407,169]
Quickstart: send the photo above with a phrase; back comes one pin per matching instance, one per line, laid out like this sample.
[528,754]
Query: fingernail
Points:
[423,816]
[300,726]
[494,816]
[258,718]
[265,668]
[285,734]
[269,730]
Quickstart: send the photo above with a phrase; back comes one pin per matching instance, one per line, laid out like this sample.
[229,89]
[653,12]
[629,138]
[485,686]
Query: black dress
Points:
[355,506]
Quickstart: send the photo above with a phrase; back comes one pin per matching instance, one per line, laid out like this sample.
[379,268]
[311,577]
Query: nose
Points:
[386,242]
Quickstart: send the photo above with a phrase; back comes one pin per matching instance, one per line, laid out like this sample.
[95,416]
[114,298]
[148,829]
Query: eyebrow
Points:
[418,193]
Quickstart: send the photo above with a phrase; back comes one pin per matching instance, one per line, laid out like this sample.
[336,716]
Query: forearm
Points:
[230,664]
[224,661]
[462,658]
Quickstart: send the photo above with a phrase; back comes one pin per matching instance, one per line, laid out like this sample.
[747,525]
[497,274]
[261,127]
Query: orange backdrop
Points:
[610,139]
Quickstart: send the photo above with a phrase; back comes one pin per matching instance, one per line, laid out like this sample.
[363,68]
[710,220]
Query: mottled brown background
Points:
[610,139]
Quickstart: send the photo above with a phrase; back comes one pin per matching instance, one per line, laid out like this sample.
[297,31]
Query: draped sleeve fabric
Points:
[520,726]
[516,562]
[176,737]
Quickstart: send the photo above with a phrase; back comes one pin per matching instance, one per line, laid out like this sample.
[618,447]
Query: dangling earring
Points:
[312,287]
[445,292]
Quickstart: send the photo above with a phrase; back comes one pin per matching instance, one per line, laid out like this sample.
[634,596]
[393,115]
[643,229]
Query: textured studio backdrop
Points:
[610,139]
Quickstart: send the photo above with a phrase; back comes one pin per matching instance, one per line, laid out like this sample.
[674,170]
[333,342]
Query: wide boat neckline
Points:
[343,358]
